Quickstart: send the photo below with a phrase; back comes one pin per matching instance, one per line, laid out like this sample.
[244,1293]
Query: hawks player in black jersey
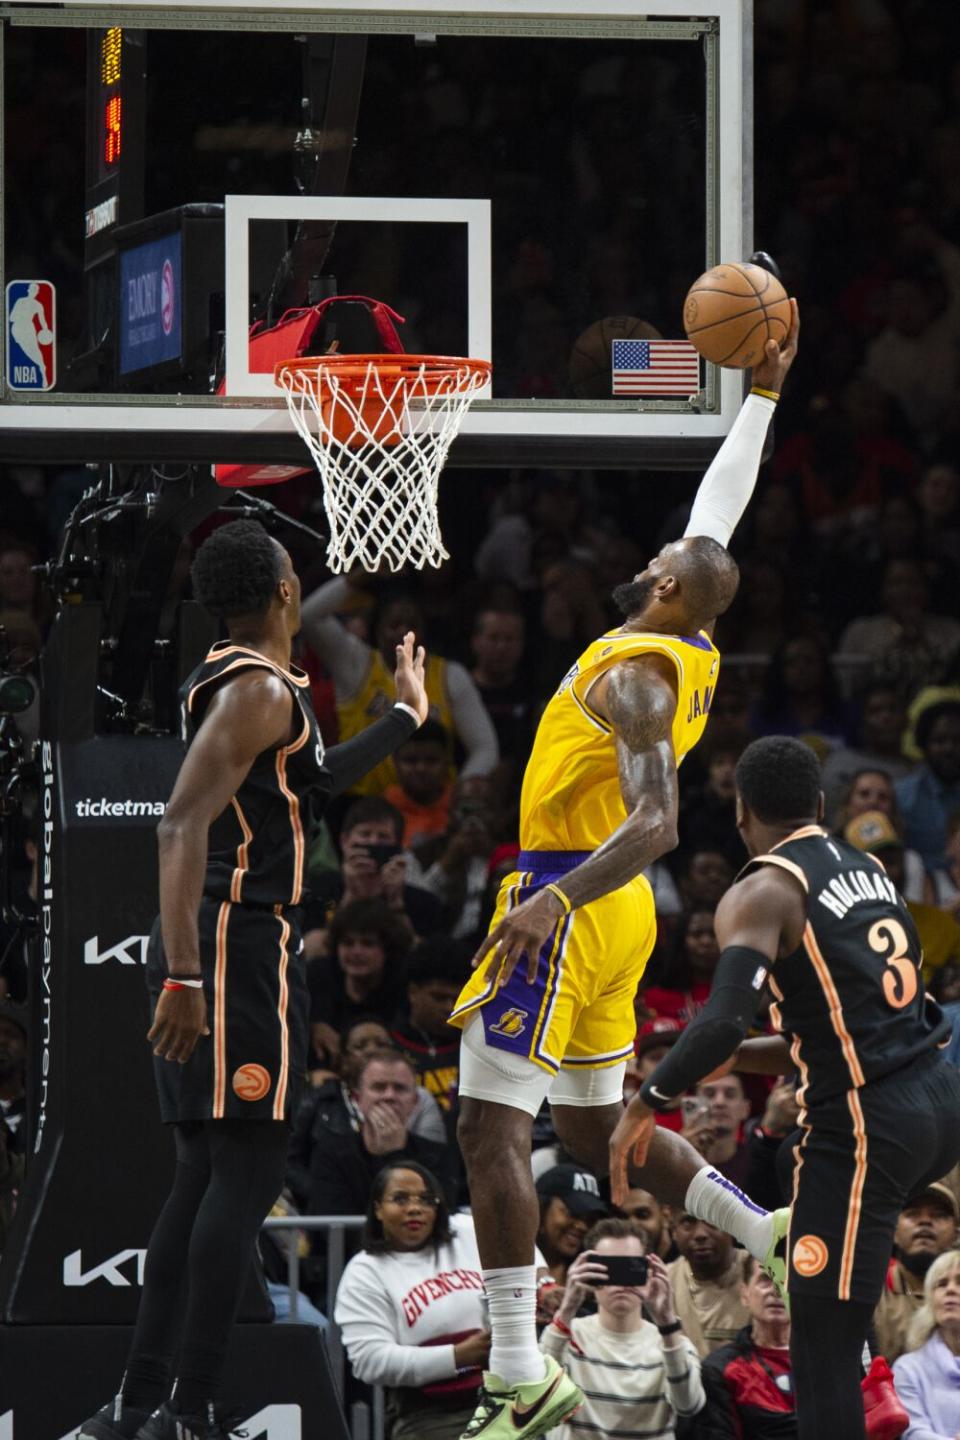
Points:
[225,969]
[821,922]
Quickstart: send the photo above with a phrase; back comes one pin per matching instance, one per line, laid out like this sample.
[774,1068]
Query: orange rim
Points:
[352,371]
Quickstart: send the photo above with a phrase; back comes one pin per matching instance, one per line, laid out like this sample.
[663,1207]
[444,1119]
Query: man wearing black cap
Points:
[926,1228]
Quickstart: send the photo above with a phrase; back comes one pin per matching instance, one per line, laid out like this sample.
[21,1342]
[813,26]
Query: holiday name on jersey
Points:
[855,886]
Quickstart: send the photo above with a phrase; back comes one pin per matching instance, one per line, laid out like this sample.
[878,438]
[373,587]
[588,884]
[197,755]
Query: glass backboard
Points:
[523,183]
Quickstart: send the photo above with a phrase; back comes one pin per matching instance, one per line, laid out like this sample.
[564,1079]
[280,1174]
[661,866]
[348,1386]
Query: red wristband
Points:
[169,984]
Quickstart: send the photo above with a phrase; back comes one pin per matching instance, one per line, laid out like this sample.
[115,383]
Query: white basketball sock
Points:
[714,1198]
[512,1295]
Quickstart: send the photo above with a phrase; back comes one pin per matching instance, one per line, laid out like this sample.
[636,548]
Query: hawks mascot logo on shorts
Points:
[511,1023]
[810,1256]
[251,1082]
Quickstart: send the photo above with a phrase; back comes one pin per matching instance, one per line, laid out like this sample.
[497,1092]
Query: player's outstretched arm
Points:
[749,923]
[247,715]
[349,761]
[728,484]
[638,699]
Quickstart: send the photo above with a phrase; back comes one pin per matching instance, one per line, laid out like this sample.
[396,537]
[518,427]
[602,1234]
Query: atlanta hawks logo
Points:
[810,1256]
[511,1023]
[251,1082]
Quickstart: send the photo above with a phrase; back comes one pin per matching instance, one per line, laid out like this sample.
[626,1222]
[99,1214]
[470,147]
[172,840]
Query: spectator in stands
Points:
[570,1202]
[728,1111]
[20,584]
[330,1106]
[504,682]
[647,1215]
[914,357]
[879,746]
[684,983]
[374,867]
[654,1039]
[436,972]
[423,787]
[705,879]
[938,496]
[362,675]
[637,1375]
[926,1376]
[410,1307]
[769,1168]
[872,790]
[749,1381]
[946,880]
[939,932]
[342,1167]
[706,1283]
[926,1228]
[800,697]
[453,866]
[365,973]
[708,812]
[929,796]
[756,623]
[904,644]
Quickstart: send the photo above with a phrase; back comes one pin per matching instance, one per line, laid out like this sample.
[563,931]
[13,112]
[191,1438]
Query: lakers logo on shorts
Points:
[251,1082]
[810,1256]
[511,1023]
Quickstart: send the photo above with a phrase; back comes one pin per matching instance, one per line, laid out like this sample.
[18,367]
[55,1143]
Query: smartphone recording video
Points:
[624,1269]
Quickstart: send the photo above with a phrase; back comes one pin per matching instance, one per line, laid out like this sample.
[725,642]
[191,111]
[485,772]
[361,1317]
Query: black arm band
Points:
[354,758]
[716,1032]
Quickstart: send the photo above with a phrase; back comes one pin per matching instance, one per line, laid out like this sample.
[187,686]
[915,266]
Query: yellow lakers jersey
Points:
[571,796]
[374,699]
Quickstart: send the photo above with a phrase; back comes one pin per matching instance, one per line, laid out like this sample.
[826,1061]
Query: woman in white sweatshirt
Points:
[410,1307]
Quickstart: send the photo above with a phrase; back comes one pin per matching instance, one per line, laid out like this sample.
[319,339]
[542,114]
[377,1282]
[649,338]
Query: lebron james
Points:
[548,1012]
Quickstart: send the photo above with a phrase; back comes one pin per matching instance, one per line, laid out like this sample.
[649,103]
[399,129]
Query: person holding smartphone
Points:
[637,1375]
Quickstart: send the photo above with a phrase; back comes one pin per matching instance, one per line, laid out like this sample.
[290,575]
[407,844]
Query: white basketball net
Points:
[379,452]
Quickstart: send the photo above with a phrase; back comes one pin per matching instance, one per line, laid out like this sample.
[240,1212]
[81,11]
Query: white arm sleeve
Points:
[345,655]
[365,1313]
[726,488]
[471,722]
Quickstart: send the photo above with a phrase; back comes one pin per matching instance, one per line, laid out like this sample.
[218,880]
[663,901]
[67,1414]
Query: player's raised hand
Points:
[520,933]
[629,1144]
[771,373]
[409,679]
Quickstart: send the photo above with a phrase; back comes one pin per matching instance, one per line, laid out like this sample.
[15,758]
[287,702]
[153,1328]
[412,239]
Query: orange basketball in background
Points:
[732,311]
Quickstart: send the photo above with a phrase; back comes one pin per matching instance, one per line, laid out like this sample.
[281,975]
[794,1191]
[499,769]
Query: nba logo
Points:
[31,335]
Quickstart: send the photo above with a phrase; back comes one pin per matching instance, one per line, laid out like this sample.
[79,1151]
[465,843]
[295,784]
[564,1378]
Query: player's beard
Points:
[631,597]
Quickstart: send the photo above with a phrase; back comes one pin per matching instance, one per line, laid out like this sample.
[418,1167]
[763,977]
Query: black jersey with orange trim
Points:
[257,847]
[851,995]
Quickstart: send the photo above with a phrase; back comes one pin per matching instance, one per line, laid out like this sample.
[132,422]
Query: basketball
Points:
[45,337]
[589,365]
[732,311]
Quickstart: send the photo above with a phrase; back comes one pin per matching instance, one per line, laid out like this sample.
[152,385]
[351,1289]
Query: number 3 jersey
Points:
[851,997]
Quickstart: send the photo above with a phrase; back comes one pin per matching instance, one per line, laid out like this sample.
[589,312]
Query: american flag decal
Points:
[655,367]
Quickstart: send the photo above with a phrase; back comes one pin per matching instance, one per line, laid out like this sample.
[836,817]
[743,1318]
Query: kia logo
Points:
[132,951]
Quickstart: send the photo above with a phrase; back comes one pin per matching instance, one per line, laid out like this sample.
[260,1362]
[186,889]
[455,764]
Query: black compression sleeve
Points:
[350,761]
[716,1032]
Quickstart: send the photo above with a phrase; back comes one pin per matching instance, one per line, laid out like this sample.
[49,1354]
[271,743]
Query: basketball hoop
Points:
[379,428]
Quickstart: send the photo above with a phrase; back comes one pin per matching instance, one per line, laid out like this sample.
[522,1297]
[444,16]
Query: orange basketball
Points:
[732,311]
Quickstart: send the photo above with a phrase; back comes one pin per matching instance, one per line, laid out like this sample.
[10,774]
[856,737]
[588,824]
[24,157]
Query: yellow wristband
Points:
[555,890]
[773,395]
